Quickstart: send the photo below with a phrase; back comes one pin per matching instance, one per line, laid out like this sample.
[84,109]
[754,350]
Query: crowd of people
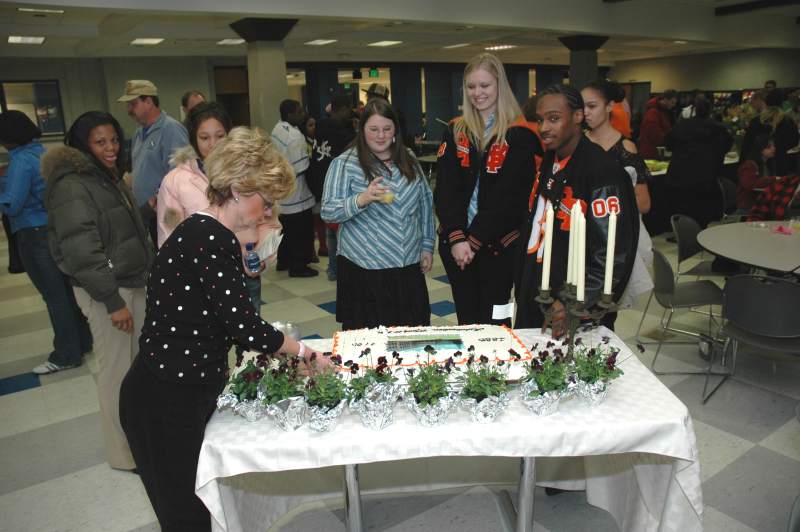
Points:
[149,267]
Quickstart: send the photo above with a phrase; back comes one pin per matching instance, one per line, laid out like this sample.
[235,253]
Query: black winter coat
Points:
[95,231]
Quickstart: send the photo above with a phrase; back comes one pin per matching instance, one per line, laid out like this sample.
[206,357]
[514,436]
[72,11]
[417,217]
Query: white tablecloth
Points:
[636,456]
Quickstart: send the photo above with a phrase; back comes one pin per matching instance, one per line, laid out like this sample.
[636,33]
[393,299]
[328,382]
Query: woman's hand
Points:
[558,319]
[122,319]
[426,261]
[462,253]
[375,192]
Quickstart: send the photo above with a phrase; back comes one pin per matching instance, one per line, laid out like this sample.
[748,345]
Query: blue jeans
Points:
[72,335]
[332,241]
[253,285]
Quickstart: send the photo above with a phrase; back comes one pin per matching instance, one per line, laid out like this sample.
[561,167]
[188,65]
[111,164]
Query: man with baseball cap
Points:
[153,143]
[376,90]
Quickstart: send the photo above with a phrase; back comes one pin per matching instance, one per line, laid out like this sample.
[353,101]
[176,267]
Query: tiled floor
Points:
[53,477]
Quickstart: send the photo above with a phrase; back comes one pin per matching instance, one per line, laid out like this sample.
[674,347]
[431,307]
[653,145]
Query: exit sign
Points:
[373,73]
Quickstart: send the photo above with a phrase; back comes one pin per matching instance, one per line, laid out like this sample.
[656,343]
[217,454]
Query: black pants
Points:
[484,283]
[165,422]
[298,240]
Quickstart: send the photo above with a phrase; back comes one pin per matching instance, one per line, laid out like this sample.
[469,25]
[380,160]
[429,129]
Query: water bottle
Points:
[252,258]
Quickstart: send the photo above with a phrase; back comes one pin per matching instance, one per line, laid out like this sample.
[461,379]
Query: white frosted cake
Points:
[406,346]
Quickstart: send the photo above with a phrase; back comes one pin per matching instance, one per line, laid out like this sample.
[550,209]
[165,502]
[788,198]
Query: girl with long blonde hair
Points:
[485,171]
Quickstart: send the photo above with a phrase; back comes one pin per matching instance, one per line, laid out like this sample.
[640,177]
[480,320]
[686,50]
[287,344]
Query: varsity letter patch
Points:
[497,156]
[462,150]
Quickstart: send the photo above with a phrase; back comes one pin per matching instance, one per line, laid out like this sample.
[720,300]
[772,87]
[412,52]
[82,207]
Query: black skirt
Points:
[369,298]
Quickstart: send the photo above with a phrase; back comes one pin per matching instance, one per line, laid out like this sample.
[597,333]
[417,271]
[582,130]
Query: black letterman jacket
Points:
[596,178]
[506,172]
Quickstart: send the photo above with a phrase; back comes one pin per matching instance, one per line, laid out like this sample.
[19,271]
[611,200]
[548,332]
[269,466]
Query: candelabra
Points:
[577,312]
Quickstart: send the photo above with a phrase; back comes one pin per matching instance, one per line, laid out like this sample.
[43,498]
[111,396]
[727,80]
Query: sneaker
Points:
[48,367]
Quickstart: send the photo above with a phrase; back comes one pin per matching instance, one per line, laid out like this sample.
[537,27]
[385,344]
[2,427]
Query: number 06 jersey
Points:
[595,180]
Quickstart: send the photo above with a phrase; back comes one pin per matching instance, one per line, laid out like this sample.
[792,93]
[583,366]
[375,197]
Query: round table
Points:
[755,244]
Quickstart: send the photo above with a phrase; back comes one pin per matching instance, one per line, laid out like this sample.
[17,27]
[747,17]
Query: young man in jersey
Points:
[573,169]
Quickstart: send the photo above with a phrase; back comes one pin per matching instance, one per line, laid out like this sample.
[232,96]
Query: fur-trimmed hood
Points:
[182,156]
[58,162]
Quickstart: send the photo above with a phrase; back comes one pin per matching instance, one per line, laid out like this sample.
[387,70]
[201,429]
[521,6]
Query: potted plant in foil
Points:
[325,396]
[372,392]
[545,382]
[242,393]
[281,392]
[429,396]
[595,368]
[484,389]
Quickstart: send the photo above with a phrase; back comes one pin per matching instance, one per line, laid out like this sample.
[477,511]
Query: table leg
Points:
[352,499]
[527,485]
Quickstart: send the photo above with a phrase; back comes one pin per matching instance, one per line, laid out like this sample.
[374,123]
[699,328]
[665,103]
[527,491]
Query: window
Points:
[40,100]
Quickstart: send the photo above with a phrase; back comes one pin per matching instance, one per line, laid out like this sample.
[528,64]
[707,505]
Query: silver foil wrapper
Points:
[376,408]
[542,404]
[226,401]
[323,419]
[288,414]
[594,393]
[252,410]
[432,415]
[487,410]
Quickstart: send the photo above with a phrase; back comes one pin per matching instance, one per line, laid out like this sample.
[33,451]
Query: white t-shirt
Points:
[292,144]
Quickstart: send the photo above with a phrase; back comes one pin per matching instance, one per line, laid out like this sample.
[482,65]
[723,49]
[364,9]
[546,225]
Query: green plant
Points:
[482,380]
[359,384]
[325,390]
[597,364]
[549,372]
[244,383]
[280,380]
[428,384]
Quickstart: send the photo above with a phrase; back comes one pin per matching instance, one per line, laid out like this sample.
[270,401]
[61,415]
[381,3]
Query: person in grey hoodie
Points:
[97,238]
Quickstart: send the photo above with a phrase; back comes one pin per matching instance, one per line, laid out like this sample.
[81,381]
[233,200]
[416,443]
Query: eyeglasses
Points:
[268,205]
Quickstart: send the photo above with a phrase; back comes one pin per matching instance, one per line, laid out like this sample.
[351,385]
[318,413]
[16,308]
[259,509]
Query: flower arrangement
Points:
[482,380]
[244,382]
[597,364]
[549,373]
[429,383]
[325,390]
[281,379]
[381,373]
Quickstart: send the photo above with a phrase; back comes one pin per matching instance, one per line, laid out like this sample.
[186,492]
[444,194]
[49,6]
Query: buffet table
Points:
[635,455]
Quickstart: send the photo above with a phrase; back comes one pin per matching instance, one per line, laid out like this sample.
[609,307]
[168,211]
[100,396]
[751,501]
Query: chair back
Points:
[663,279]
[686,230]
[766,306]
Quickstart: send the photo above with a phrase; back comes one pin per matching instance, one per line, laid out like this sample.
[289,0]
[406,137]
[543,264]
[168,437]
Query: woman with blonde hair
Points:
[485,171]
[196,308]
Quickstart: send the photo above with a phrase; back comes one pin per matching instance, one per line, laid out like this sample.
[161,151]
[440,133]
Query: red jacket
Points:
[655,126]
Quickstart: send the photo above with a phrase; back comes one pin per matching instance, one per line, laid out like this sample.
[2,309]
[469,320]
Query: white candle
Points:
[571,247]
[576,227]
[612,240]
[582,257]
[548,246]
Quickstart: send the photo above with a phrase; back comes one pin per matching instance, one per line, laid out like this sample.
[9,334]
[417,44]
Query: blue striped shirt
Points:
[381,235]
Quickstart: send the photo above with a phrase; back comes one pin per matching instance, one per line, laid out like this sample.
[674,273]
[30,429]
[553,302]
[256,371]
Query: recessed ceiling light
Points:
[385,43]
[19,39]
[459,45]
[147,41]
[681,42]
[500,47]
[321,42]
[230,42]
[38,10]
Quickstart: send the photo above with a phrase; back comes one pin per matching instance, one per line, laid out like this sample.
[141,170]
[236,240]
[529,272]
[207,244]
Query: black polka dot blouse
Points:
[198,306]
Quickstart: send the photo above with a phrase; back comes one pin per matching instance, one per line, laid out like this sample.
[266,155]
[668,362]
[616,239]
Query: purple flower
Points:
[382,360]
[484,359]
[336,359]
[449,363]
[543,355]
[550,345]
[578,341]
[606,339]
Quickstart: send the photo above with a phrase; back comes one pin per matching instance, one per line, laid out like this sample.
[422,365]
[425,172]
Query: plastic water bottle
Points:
[252,258]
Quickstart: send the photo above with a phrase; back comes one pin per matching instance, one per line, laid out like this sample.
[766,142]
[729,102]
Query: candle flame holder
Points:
[577,313]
